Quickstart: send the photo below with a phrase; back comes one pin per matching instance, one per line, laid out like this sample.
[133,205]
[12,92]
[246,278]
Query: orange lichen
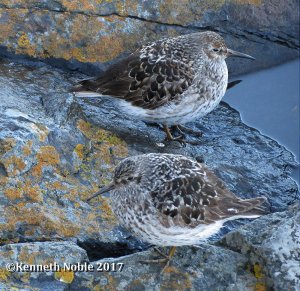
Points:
[26,256]
[56,185]
[50,221]
[24,190]
[177,280]
[260,287]
[64,276]
[47,156]
[6,145]
[27,148]
[14,165]
[13,193]
[32,192]
[253,2]
[42,131]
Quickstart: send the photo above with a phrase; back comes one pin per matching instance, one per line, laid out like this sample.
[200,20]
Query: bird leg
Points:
[182,129]
[179,138]
[169,136]
[165,260]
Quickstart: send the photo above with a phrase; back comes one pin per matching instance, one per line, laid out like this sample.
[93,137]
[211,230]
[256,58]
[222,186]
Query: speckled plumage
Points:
[172,200]
[171,81]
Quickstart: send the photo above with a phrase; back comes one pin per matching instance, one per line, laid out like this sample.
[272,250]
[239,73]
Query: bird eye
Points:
[215,50]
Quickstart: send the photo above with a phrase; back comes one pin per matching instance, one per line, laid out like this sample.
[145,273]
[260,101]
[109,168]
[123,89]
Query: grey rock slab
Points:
[36,255]
[47,167]
[272,241]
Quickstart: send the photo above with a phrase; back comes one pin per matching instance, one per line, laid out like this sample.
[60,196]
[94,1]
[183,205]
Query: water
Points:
[269,101]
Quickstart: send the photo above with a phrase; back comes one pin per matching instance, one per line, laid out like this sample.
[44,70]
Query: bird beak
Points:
[103,190]
[232,53]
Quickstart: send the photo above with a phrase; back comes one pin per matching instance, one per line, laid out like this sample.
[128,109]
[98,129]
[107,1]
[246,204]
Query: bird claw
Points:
[181,137]
[182,129]
[165,260]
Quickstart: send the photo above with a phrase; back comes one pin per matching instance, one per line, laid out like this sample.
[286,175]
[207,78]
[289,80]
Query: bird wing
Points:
[196,196]
[148,78]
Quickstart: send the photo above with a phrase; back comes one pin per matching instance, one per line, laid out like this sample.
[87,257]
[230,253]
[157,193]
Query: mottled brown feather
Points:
[197,196]
[148,78]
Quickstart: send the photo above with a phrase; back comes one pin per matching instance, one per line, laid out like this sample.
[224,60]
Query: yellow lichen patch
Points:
[56,185]
[64,276]
[85,128]
[258,272]
[79,150]
[106,143]
[13,193]
[14,165]
[97,134]
[176,279]
[24,46]
[6,145]
[32,192]
[4,275]
[47,156]
[253,2]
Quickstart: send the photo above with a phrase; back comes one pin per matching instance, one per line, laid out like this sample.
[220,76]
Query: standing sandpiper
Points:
[171,81]
[172,200]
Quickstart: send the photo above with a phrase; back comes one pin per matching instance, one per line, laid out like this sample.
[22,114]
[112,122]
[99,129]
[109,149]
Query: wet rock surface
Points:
[56,150]
[91,33]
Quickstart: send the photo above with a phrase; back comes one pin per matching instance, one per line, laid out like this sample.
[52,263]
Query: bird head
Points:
[215,47]
[125,173]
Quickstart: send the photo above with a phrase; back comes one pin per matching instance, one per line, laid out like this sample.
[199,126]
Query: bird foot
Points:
[156,249]
[181,138]
[165,260]
[182,129]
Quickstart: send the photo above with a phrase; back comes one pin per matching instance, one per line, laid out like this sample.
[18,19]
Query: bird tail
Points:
[85,89]
[87,94]
[248,208]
